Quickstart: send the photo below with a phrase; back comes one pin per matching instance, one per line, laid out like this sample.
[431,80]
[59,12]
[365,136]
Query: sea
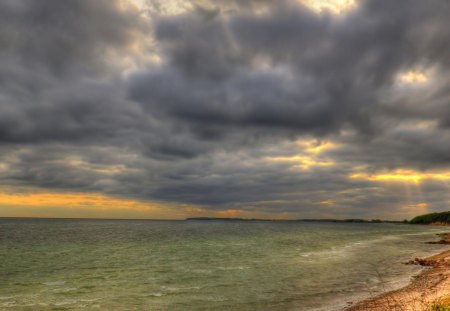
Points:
[73,264]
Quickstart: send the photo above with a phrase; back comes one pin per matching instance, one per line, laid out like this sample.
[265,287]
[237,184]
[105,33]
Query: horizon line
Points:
[201,218]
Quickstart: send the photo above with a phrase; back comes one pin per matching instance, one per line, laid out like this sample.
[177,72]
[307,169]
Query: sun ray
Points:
[402,175]
[333,6]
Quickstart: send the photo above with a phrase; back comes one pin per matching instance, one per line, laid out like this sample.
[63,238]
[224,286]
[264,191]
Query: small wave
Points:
[156,294]
[65,290]
[343,250]
[202,271]
[232,268]
[54,283]
[179,289]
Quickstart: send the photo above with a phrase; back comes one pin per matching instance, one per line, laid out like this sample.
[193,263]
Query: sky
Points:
[169,109]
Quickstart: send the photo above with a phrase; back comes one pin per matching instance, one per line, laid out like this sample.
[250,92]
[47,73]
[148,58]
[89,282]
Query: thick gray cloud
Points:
[84,106]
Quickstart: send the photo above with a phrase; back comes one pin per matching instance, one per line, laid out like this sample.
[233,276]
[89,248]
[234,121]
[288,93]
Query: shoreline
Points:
[430,287]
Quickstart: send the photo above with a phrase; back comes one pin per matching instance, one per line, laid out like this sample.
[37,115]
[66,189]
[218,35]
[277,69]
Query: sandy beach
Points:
[427,291]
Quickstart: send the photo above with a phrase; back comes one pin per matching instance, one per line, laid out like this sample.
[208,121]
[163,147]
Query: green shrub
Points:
[431,218]
[440,307]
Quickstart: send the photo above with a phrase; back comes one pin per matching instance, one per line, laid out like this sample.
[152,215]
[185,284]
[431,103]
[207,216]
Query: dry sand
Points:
[432,286]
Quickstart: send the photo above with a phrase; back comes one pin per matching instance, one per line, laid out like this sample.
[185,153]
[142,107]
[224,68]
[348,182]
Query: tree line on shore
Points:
[433,218]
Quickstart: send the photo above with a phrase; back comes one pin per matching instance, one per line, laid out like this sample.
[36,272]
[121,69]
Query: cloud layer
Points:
[264,107]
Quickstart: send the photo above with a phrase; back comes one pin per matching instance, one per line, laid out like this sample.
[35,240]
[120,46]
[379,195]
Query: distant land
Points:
[300,220]
[433,218]
[442,218]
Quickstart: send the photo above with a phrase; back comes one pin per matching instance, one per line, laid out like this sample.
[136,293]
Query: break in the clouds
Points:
[283,109]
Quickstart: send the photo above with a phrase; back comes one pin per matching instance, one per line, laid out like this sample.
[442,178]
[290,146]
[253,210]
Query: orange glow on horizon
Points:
[67,200]
[94,205]
[229,212]
[85,205]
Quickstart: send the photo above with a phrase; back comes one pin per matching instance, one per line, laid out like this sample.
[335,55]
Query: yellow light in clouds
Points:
[402,176]
[303,162]
[101,169]
[309,155]
[333,6]
[316,147]
[413,77]
[421,205]
[135,4]
[150,8]
[327,202]
[416,208]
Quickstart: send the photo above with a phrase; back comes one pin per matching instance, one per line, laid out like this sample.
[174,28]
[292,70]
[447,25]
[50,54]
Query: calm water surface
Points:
[201,265]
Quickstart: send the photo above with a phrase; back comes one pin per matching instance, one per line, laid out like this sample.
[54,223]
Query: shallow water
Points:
[202,265]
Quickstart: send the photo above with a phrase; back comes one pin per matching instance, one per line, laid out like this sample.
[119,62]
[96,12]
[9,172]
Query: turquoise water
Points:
[201,265]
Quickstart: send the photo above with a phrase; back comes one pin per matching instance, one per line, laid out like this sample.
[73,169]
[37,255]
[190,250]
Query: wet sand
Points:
[430,287]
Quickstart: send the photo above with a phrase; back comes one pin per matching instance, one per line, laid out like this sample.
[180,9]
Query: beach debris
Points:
[445,239]
[428,262]
[442,241]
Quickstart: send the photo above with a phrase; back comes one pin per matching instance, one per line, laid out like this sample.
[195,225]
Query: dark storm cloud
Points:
[52,53]
[63,36]
[337,69]
[237,83]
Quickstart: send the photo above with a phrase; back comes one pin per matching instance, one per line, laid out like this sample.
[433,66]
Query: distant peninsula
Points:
[299,220]
[432,219]
[442,219]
